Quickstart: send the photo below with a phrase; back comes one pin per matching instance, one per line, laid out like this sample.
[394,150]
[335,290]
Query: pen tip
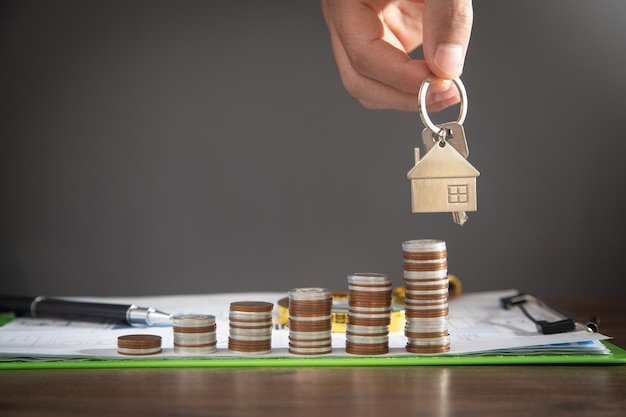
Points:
[158,318]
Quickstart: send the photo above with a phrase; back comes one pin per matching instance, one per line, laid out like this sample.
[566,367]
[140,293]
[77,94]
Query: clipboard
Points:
[612,354]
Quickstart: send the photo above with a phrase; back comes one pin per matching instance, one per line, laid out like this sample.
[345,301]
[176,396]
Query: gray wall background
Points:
[203,146]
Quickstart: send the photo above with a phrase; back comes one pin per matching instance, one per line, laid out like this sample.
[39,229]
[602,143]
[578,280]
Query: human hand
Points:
[371,40]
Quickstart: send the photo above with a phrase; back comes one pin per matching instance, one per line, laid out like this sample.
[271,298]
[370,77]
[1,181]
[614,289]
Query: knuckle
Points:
[461,14]
[352,86]
[357,62]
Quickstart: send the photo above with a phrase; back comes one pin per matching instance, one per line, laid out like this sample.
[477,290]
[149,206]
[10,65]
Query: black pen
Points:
[48,307]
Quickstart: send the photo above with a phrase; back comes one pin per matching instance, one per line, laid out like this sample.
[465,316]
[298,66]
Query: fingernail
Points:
[449,58]
[440,86]
[444,96]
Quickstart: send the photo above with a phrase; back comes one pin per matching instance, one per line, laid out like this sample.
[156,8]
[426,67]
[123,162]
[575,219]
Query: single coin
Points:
[424,275]
[369,278]
[428,349]
[193,320]
[424,245]
[366,350]
[308,294]
[310,351]
[251,306]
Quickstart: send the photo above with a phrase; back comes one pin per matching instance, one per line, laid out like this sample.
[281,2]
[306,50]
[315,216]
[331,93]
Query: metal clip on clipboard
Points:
[549,320]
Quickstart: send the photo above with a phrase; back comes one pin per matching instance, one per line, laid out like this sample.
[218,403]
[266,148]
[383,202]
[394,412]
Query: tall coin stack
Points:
[310,325]
[250,327]
[194,333]
[369,314]
[426,296]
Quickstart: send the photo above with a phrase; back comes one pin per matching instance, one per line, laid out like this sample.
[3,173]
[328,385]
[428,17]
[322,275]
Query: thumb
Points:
[447,29]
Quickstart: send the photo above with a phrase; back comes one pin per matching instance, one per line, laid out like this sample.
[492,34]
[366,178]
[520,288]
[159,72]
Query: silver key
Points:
[459,217]
[452,132]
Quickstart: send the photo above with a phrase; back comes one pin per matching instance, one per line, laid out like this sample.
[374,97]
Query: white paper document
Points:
[477,324]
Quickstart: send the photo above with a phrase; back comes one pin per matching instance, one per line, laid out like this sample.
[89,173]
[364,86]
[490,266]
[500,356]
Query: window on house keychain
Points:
[443,180]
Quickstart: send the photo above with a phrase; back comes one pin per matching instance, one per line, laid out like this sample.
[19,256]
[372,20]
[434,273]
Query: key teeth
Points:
[459,217]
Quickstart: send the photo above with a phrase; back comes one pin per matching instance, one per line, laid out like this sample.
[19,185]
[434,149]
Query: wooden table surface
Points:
[515,390]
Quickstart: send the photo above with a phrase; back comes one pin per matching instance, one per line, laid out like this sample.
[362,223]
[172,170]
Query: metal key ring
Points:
[421,103]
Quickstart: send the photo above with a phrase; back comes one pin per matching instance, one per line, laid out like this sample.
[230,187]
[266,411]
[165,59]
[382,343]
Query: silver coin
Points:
[367,340]
[368,278]
[310,294]
[145,351]
[193,320]
[424,245]
[250,338]
[364,330]
[430,341]
[426,307]
[310,351]
[194,338]
[354,287]
[311,343]
[249,315]
[195,350]
[300,335]
[313,318]
[409,293]
[250,332]
[369,315]
[425,275]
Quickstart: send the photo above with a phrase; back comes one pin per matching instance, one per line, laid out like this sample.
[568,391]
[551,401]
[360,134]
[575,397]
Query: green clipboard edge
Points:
[616,357]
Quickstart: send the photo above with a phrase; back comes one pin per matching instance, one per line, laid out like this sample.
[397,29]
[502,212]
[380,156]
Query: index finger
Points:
[373,51]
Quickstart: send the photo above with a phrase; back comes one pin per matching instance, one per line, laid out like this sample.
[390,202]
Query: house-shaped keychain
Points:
[442,181]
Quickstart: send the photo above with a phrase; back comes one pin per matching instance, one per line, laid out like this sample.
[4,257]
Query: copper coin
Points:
[444,285]
[425,256]
[427,297]
[139,344]
[193,329]
[251,306]
[320,344]
[426,313]
[240,346]
[356,349]
[431,266]
[428,349]
[357,321]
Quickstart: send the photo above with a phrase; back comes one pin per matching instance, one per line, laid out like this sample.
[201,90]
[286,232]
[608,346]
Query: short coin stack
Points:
[310,324]
[426,296]
[194,333]
[369,314]
[250,327]
[139,344]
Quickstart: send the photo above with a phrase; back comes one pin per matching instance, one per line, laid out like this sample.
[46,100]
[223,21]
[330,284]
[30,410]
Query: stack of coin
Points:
[426,296]
[310,324]
[369,314]
[194,333]
[250,327]
[139,344]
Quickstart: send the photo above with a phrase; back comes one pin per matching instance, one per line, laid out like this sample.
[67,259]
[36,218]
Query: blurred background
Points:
[160,147]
